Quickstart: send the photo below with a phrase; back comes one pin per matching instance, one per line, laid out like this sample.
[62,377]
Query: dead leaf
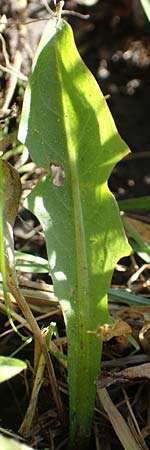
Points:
[11,188]
[116,329]
[137,372]
[106,379]
[141,371]
[11,192]
[140,317]
[144,337]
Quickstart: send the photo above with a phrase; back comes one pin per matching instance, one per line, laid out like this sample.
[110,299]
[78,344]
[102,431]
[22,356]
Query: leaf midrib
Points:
[80,241]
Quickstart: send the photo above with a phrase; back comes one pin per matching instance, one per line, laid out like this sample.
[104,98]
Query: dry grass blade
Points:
[11,193]
[121,428]
[133,424]
[27,421]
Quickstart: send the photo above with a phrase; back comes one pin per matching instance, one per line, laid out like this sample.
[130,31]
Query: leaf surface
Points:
[69,131]
[12,444]
[10,367]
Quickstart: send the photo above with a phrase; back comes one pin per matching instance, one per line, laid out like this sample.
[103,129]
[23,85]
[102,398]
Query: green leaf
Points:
[31,263]
[146,7]
[131,204]
[128,298]
[145,255]
[69,131]
[140,246]
[10,367]
[12,444]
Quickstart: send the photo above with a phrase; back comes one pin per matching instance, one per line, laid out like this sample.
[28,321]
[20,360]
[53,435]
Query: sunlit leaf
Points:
[69,131]
[10,367]
[12,444]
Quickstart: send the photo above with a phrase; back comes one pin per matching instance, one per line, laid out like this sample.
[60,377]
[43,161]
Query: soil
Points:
[115,45]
